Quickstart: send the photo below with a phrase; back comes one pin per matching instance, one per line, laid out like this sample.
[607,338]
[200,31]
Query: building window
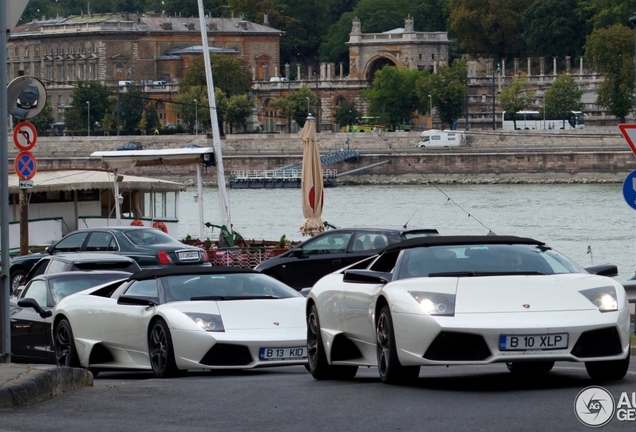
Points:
[26,52]
[93,71]
[49,72]
[36,51]
[82,71]
[27,69]
[59,73]
[36,70]
[16,69]
[17,51]
[71,72]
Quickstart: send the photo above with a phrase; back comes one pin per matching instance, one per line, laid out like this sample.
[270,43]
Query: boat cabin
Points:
[62,201]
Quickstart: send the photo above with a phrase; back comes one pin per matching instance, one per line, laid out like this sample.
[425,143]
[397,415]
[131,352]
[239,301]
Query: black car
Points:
[28,97]
[331,250]
[131,146]
[81,261]
[30,332]
[150,247]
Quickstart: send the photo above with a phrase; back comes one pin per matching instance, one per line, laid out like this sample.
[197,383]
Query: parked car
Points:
[131,146]
[28,97]
[468,300]
[174,319]
[331,250]
[150,247]
[30,332]
[86,261]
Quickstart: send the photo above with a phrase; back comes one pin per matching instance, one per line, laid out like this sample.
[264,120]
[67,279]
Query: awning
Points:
[135,158]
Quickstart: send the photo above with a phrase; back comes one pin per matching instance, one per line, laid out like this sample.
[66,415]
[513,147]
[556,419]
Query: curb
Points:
[27,384]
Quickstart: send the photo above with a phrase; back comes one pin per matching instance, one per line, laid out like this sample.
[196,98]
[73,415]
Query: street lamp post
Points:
[632,20]
[307,105]
[430,110]
[196,117]
[88,118]
[494,118]
[544,110]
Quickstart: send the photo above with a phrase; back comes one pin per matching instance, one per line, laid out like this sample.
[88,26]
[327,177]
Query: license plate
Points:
[533,342]
[278,354]
[188,256]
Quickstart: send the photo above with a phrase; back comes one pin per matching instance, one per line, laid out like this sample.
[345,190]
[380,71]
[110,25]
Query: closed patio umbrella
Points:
[311,181]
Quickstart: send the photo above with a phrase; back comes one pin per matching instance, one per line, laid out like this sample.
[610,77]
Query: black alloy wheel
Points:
[161,351]
[16,277]
[65,352]
[316,358]
[389,367]
[608,370]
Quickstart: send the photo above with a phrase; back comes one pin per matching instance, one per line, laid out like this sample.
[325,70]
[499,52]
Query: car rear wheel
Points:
[529,368]
[389,367]
[65,352]
[316,357]
[161,351]
[608,370]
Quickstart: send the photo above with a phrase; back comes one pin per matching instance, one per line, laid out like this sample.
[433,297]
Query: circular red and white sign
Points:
[25,165]
[25,136]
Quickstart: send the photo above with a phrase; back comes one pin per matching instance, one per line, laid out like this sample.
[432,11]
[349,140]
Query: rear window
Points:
[150,236]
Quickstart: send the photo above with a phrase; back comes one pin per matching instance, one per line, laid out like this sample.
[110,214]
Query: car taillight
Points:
[206,258]
[164,258]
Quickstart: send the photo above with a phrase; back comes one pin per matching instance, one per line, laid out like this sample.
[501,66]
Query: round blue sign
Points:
[629,190]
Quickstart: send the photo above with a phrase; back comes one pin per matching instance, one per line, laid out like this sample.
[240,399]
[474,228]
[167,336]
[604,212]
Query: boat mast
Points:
[216,138]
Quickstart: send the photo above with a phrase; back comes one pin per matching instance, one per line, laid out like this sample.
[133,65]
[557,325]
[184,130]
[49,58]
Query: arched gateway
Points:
[370,52]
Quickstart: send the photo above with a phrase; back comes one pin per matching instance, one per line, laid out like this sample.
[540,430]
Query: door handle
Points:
[336,261]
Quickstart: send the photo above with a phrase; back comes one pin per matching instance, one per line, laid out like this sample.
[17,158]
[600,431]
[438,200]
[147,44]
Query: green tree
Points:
[550,28]
[605,13]
[392,96]
[190,111]
[563,96]
[97,94]
[43,121]
[131,107]
[237,110]
[346,114]
[448,90]
[294,105]
[488,27]
[517,96]
[188,8]
[228,74]
[611,51]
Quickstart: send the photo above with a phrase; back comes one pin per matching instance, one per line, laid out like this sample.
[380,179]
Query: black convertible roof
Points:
[461,240]
[187,270]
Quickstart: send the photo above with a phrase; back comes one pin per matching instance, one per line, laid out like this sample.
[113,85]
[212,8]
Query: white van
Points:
[445,138]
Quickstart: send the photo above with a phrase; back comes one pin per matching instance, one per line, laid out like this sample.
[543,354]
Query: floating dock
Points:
[270,179]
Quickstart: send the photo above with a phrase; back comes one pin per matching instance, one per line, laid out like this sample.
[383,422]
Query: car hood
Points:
[501,294]
[251,314]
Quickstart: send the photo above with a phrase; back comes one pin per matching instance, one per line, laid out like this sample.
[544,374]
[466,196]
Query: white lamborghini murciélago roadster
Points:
[456,300]
[174,319]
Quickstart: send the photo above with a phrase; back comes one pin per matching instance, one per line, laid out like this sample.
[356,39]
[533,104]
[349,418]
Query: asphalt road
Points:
[484,398]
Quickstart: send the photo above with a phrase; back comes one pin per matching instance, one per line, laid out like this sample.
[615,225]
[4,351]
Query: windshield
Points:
[467,260]
[65,286]
[149,236]
[230,286]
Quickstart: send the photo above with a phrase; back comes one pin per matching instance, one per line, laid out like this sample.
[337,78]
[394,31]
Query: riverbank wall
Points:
[592,155]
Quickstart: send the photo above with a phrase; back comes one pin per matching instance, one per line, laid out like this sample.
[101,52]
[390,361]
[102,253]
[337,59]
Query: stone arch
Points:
[376,63]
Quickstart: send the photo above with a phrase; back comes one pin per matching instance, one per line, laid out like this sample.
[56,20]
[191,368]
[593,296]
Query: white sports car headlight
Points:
[604,298]
[435,303]
[208,322]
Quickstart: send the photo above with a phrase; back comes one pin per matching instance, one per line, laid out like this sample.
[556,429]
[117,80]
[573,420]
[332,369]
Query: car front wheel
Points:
[389,367]
[608,370]
[161,351]
[65,352]
[316,357]
[16,277]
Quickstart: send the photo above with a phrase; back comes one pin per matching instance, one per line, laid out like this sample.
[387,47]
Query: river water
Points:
[568,217]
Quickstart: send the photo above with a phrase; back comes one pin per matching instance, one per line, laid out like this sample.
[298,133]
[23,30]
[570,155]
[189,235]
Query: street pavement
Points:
[25,384]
